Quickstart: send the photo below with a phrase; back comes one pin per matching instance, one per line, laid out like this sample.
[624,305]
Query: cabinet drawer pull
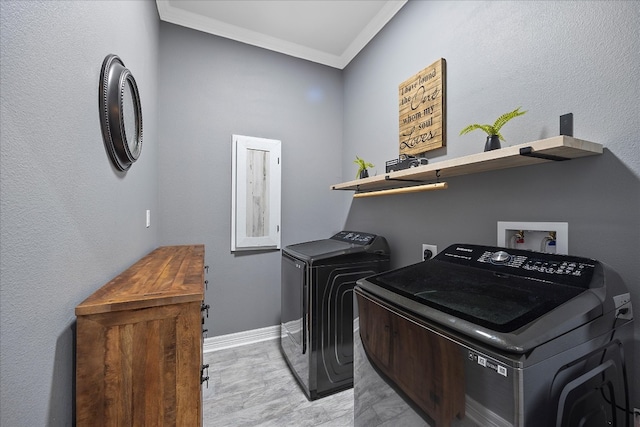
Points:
[205,307]
[203,379]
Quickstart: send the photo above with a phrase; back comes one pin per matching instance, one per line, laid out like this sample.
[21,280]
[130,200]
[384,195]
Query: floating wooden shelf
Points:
[557,148]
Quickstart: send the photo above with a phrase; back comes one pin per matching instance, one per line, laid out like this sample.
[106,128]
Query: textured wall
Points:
[549,57]
[69,221]
[211,88]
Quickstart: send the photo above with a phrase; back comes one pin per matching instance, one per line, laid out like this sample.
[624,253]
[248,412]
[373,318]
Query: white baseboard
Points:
[240,338]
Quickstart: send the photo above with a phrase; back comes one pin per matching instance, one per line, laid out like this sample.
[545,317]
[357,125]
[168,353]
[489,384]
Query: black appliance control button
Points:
[500,257]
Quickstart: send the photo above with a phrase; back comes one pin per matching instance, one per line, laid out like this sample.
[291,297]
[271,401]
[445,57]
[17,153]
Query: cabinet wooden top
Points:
[168,275]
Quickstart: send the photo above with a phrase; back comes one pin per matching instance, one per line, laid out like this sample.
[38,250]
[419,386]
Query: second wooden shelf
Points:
[535,152]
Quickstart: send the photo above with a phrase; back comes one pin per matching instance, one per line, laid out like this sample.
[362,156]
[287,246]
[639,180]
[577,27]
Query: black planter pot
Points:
[493,143]
[364,173]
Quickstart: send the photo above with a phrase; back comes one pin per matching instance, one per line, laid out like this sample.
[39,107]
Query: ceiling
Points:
[329,32]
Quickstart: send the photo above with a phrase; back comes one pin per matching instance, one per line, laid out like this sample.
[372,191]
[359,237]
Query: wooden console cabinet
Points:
[139,344]
[427,367]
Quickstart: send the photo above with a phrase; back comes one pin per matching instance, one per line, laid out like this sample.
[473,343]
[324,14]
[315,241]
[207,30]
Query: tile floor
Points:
[253,386]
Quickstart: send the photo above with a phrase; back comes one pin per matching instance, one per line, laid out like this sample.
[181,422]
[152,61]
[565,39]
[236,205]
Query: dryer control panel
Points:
[354,237]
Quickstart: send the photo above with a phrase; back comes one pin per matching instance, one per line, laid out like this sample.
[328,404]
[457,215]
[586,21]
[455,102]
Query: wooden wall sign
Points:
[421,99]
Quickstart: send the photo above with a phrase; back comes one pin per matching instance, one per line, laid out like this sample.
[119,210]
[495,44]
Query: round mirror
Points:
[120,113]
[131,120]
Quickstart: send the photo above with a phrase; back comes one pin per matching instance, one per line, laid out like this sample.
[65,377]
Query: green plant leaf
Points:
[503,119]
[488,129]
[495,128]
[362,165]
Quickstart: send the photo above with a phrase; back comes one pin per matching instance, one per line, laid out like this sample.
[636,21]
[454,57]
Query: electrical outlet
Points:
[622,299]
[623,306]
[627,315]
[429,251]
[148,218]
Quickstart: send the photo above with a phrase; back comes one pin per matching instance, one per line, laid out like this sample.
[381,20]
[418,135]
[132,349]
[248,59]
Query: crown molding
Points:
[174,15]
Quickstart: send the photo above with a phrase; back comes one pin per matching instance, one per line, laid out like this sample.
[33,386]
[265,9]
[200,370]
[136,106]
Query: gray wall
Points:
[549,57]
[211,88]
[69,221]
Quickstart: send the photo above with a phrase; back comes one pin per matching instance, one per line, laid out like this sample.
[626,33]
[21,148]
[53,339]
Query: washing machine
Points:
[317,307]
[489,336]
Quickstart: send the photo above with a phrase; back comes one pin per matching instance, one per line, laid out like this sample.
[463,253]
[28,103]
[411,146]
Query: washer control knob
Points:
[500,257]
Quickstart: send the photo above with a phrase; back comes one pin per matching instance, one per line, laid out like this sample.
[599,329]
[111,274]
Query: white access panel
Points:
[255,193]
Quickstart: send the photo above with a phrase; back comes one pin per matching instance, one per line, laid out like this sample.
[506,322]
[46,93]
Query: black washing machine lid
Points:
[340,244]
[501,303]
[513,303]
[318,249]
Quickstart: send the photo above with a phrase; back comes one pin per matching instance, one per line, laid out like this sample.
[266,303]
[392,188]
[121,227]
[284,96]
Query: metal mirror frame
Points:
[115,79]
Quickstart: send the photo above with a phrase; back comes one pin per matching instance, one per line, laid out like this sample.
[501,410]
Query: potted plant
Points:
[362,167]
[493,131]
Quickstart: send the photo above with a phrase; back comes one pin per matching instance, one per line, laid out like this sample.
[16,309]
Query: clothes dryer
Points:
[317,308]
